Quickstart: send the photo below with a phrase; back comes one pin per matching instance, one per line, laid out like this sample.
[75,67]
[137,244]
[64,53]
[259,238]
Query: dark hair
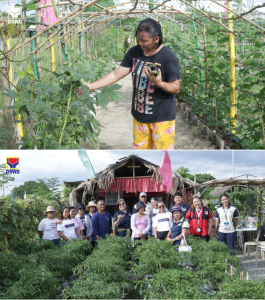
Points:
[153,28]
[118,202]
[160,201]
[61,213]
[172,212]
[71,207]
[224,195]
[178,194]
[153,198]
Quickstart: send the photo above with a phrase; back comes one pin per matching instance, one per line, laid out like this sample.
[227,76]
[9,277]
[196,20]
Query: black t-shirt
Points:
[151,104]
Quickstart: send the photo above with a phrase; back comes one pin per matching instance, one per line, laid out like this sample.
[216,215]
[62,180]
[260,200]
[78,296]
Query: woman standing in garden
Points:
[226,219]
[87,223]
[156,80]
[80,226]
[67,229]
[122,219]
[179,227]
[140,223]
[47,228]
[162,222]
[91,208]
[200,219]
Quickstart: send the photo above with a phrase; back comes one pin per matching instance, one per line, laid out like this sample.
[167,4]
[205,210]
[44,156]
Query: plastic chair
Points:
[248,244]
[261,248]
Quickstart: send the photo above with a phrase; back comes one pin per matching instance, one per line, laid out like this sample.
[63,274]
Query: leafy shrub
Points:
[147,256]
[234,288]
[62,260]
[26,248]
[103,272]
[34,283]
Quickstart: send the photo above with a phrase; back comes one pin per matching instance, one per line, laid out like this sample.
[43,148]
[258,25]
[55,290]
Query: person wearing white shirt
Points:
[67,229]
[162,222]
[47,228]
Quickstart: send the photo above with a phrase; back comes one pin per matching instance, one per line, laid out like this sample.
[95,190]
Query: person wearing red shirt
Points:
[200,219]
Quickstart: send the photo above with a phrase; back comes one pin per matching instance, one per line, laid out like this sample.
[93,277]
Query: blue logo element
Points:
[12,162]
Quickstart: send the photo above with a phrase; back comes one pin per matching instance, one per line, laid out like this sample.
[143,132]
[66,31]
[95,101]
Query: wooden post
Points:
[205,60]
[7,113]
[64,32]
[232,71]
[38,14]
[172,199]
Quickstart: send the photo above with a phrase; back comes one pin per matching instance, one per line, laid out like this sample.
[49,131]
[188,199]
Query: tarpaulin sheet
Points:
[48,14]
[139,185]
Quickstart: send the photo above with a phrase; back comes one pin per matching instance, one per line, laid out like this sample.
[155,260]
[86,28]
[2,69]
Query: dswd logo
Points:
[14,12]
[12,165]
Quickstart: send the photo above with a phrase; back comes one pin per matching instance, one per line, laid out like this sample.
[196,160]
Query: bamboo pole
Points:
[232,72]
[205,60]
[52,55]
[199,55]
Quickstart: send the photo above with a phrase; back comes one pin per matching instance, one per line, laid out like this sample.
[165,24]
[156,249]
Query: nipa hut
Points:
[128,177]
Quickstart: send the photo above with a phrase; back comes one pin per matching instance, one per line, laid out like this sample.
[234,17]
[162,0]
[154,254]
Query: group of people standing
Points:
[147,219]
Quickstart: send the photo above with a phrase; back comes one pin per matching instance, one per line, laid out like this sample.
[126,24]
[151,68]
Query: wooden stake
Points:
[216,116]
[262,124]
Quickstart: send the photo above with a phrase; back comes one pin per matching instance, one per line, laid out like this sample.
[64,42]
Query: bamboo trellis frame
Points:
[105,16]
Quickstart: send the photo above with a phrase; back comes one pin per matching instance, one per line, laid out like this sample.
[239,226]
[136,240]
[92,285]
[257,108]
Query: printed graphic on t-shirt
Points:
[163,220]
[143,87]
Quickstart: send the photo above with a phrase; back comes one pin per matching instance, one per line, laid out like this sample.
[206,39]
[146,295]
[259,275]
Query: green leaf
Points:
[102,100]
[5,135]
[21,74]
[10,93]
[30,71]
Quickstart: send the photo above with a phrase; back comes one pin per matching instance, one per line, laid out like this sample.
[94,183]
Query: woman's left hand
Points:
[58,222]
[156,79]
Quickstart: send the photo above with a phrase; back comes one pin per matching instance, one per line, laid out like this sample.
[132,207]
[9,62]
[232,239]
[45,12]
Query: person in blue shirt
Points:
[179,227]
[179,202]
[101,222]
[122,219]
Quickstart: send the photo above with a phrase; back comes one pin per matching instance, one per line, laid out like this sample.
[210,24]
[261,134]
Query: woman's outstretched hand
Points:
[79,91]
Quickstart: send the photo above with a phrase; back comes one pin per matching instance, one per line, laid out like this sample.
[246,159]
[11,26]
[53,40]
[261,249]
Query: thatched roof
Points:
[220,190]
[226,184]
[106,177]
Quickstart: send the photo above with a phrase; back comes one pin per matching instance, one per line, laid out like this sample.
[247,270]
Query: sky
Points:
[66,165]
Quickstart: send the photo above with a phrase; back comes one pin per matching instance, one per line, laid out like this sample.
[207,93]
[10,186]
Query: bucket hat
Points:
[139,204]
[80,205]
[49,208]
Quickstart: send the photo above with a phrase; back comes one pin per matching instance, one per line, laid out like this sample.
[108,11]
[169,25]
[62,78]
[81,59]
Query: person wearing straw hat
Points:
[47,228]
[91,208]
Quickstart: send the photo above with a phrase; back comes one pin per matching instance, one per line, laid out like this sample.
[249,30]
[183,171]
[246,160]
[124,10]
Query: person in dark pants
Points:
[179,202]
[226,219]
[200,219]
[122,219]
[162,222]
[101,222]
[140,223]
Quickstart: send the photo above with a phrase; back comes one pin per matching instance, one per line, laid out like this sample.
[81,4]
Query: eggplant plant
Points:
[52,114]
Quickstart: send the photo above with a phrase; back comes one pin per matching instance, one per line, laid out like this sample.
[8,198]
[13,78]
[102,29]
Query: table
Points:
[240,237]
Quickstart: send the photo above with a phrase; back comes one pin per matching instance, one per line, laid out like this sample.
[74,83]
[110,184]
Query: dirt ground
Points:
[118,123]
